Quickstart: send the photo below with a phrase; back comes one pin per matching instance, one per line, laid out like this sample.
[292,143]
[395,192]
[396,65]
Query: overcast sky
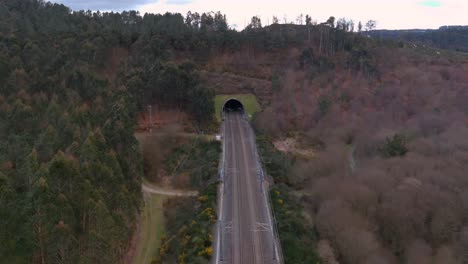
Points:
[389,14]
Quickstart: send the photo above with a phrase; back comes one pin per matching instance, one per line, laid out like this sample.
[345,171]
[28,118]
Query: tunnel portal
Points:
[233,105]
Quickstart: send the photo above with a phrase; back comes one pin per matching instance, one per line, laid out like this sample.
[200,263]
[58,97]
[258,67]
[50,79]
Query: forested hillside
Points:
[71,85]
[387,126]
[446,37]
[69,166]
[386,122]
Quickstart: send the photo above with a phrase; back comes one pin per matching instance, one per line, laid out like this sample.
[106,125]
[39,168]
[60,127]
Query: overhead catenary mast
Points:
[150,109]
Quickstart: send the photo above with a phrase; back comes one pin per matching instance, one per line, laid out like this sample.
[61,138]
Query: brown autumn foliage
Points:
[386,204]
[372,208]
[412,206]
[408,204]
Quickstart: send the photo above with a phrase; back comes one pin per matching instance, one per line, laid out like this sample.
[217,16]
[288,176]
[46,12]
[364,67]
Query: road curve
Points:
[245,232]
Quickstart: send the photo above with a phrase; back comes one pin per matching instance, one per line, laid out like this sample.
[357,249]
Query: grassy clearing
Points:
[248,100]
[151,230]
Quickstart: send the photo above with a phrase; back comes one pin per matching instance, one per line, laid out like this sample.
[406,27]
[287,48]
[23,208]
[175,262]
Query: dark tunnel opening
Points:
[233,105]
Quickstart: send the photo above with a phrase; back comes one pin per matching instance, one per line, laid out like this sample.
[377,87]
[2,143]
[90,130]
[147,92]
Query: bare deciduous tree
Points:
[371,25]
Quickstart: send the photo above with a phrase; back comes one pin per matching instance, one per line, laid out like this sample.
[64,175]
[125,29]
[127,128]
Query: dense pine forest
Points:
[70,170]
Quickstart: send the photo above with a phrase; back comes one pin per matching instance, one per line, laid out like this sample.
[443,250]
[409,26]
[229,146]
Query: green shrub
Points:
[277,164]
[276,83]
[394,147]
[298,236]
[324,104]
[345,100]
[306,58]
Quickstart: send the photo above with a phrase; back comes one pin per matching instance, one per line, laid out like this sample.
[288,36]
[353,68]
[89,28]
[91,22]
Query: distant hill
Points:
[446,37]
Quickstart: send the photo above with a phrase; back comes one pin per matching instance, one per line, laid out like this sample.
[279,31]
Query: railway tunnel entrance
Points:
[233,105]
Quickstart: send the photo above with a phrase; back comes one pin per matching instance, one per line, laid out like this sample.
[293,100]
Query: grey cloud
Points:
[114,5]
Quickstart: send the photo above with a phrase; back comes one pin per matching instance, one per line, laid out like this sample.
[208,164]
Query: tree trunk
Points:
[41,242]
[320,46]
